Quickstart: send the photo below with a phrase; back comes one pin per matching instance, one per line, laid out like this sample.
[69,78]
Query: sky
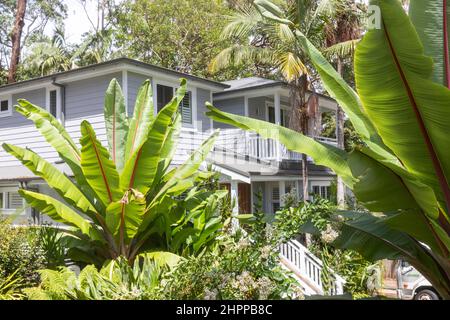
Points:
[77,22]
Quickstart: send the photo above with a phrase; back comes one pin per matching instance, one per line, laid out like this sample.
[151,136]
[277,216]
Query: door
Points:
[245,198]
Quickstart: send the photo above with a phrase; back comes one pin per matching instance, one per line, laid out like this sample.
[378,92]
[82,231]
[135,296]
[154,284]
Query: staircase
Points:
[307,269]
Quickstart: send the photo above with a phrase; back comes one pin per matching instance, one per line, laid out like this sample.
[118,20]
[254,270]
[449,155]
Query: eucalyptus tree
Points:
[400,110]
[126,199]
[272,44]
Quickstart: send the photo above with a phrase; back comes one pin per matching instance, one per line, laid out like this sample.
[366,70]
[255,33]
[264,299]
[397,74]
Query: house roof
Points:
[254,83]
[116,62]
[251,82]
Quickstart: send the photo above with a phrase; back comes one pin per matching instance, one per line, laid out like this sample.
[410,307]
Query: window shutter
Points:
[186,108]
[15,201]
[275,194]
[53,102]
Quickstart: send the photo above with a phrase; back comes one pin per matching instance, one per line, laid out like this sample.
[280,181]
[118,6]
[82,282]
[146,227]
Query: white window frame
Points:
[8,98]
[320,184]
[58,100]
[175,86]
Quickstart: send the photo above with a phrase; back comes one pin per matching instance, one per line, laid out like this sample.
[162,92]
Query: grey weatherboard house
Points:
[247,163]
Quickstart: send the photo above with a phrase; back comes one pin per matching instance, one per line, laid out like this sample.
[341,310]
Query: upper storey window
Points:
[5,106]
[163,96]
[53,102]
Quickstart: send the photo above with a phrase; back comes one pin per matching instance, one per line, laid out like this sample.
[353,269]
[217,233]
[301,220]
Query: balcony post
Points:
[277,106]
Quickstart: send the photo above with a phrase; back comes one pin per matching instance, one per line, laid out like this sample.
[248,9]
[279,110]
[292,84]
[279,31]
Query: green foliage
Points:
[20,253]
[10,287]
[314,217]
[183,35]
[240,267]
[401,172]
[117,280]
[133,201]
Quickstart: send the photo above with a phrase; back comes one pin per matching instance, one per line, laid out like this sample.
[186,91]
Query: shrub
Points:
[362,276]
[117,280]
[20,253]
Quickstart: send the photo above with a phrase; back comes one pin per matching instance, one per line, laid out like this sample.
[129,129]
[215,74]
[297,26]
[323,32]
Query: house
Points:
[247,163]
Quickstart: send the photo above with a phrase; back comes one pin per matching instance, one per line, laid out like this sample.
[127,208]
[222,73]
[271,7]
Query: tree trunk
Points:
[298,121]
[15,38]
[340,192]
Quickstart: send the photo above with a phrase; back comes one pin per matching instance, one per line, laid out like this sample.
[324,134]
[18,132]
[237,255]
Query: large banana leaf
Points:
[56,135]
[52,130]
[54,178]
[375,240]
[396,190]
[116,123]
[428,18]
[141,168]
[323,154]
[98,168]
[124,217]
[59,212]
[409,111]
[142,119]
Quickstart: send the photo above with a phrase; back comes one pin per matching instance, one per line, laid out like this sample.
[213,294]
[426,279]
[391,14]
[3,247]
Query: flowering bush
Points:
[237,269]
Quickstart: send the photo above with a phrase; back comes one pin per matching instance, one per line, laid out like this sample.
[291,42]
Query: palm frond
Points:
[241,24]
[291,66]
[342,49]
[238,54]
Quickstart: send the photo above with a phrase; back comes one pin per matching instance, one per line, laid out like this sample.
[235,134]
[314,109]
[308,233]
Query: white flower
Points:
[329,235]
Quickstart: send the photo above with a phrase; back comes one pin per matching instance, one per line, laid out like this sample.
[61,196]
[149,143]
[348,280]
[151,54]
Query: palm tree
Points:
[50,55]
[342,32]
[268,43]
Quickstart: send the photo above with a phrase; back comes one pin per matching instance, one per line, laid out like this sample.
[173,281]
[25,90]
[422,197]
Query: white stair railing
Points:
[308,268]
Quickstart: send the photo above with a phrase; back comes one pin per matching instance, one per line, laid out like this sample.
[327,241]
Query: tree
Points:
[16,37]
[126,199]
[38,13]
[48,55]
[180,34]
[342,31]
[269,43]
[401,173]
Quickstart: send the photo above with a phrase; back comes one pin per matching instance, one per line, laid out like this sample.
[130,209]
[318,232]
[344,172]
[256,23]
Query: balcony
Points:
[250,144]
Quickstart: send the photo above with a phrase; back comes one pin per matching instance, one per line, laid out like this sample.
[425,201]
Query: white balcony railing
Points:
[308,268]
[253,145]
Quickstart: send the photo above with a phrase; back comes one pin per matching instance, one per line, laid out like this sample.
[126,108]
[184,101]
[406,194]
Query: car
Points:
[412,285]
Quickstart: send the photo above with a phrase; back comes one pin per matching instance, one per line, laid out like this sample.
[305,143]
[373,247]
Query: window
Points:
[271,114]
[163,94]
[284,115]
[10,200]
[5,106]
[53,103]
[186,108]
[322,191]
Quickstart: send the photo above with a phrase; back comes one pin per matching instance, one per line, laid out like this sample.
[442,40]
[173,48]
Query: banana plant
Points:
[401,112]
[124,199]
